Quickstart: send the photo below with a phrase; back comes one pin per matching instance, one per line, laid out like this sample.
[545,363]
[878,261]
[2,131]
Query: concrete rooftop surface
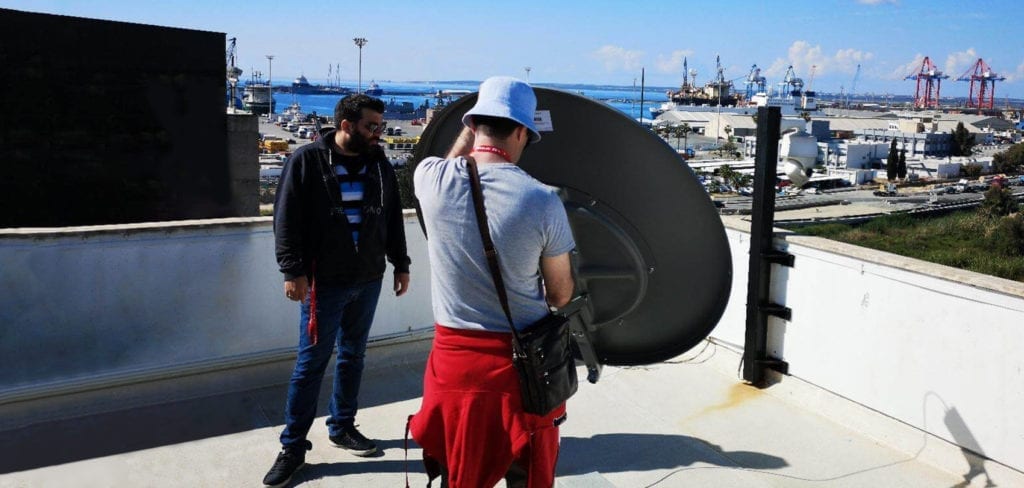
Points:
[686,422]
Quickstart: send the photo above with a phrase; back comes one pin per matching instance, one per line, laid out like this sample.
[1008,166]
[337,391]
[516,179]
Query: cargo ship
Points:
[256,97]
[718,91]
[302,86]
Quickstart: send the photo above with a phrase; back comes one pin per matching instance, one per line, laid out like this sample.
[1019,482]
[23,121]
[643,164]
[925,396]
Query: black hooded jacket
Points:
[308,234]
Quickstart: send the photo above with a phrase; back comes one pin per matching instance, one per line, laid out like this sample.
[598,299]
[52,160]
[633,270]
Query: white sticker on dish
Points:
[542,119]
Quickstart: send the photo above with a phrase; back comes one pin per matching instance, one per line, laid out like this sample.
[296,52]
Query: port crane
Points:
[790,86]
[853,86]
[929,83]
[233,71]
[983,82]
[755,82]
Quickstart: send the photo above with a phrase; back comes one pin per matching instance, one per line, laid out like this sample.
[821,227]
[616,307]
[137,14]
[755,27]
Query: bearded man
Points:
[337,216]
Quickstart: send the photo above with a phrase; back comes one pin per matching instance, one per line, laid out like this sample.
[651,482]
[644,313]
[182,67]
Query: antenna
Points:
[635,209]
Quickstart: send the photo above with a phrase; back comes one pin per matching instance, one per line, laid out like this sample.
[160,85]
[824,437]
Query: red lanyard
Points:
[494,150]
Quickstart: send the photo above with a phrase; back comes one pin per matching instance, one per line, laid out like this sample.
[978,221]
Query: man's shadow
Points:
[644,452]
[602,453]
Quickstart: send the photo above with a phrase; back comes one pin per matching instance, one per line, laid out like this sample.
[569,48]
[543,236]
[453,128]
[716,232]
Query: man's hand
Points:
[297,289]
[401,284]
[463,144]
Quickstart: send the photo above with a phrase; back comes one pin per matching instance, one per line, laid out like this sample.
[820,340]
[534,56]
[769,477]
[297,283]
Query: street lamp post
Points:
[270,84]
[360,41]
[527,73]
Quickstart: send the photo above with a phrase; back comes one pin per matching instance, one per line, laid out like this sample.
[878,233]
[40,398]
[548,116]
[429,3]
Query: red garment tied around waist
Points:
[472,421]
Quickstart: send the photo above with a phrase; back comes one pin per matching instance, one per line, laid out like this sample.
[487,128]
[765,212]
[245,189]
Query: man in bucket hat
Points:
[471,423]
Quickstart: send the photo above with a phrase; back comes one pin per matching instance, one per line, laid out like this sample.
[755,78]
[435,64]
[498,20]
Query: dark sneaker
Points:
[351,440]
[288,462]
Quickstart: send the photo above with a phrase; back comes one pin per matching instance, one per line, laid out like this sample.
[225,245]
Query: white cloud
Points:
[902,71]
[1017,75]
[672,63]
[617,58]
[801,55]
[958,62]
[846,60]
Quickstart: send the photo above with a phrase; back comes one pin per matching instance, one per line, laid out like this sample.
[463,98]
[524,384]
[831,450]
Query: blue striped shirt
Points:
[352,187]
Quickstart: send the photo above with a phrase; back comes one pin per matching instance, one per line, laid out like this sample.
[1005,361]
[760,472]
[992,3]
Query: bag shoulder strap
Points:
[489,251]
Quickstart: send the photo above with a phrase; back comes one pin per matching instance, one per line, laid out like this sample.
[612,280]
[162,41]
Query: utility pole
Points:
[360,41]
[270,84]
[642,98]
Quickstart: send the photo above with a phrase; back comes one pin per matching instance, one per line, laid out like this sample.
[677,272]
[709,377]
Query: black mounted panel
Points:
[653,254]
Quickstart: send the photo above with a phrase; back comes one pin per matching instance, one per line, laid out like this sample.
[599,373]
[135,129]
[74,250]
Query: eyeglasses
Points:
[376,128]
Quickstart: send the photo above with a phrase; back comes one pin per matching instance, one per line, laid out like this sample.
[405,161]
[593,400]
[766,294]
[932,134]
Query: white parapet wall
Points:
[934,347]
[85,307]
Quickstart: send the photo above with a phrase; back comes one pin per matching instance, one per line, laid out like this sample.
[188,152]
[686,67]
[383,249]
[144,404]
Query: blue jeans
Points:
[344,315]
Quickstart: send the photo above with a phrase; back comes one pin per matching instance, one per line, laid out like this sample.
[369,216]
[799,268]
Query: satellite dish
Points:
[653,254]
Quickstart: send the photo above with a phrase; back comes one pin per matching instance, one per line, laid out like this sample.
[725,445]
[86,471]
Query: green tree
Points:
[1007,238]
[1010,160]
[998,202]
[734,178]
[403,174]
[730,148]
[971,170]
[726,172]
[681,131]
[892,162]
[686,132]
[901,165]
[962,141]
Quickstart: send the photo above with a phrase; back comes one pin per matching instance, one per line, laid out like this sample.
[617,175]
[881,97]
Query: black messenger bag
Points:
[541,352]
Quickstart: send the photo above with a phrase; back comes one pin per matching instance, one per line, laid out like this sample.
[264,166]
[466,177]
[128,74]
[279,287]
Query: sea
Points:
[626,99]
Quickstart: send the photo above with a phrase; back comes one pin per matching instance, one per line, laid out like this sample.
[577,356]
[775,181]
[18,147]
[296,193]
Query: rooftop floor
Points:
[685,422]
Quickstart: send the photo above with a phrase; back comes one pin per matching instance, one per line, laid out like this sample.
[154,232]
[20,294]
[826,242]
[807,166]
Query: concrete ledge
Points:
[886,430]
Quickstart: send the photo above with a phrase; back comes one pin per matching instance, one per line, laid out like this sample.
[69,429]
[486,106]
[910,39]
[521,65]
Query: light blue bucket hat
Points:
[508,98]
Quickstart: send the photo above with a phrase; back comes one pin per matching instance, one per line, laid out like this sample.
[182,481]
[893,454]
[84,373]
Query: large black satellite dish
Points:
[653,254]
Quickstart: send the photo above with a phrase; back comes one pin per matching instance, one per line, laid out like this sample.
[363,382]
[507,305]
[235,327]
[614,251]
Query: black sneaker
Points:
[351,440]
[288,462]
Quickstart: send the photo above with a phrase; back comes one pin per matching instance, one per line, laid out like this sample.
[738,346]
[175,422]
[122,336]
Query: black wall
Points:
[108,122]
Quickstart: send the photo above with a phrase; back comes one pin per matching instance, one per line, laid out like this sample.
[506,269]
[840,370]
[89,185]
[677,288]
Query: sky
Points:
[601,41]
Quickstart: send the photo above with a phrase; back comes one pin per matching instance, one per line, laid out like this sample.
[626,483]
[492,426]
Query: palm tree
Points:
[680,130]
[686,131]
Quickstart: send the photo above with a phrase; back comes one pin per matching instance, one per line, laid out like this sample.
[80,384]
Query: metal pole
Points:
[762,254]
[527,73]
[642,97]
[270,84]
[360,41]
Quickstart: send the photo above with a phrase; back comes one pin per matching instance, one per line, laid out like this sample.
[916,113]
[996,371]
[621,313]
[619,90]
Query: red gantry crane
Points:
[983,83]
[928,97]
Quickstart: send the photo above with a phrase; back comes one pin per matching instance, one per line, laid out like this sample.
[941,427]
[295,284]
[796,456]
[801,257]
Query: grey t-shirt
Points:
[526,219]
